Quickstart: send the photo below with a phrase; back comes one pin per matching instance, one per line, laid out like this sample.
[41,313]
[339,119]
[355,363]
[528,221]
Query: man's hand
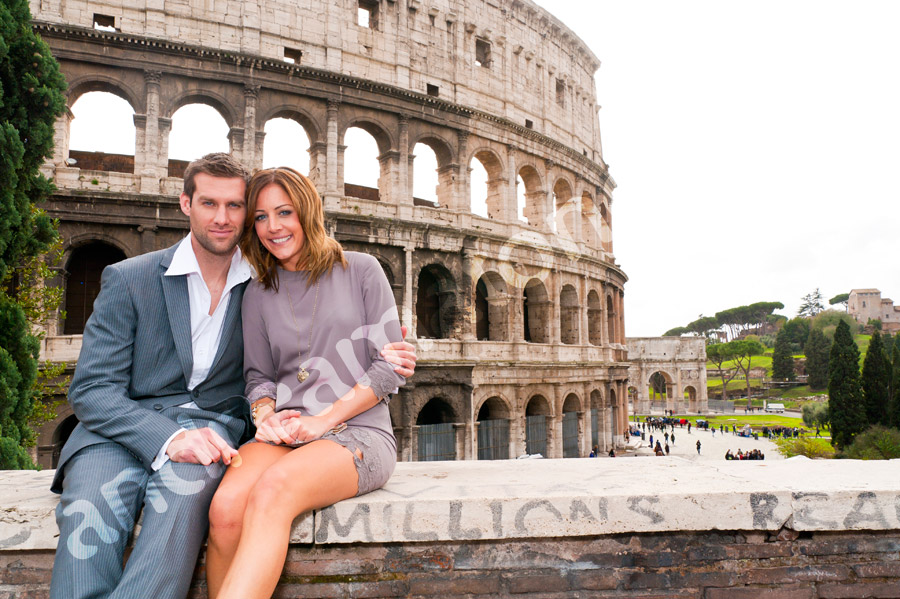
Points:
[200,446]
[402,355]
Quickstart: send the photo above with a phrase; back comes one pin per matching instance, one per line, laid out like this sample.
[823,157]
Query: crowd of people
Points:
[753,454]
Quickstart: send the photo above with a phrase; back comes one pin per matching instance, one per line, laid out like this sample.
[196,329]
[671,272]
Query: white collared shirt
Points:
[206,328]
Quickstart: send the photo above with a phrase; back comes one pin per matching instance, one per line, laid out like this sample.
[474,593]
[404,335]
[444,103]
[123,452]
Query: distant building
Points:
[867,304]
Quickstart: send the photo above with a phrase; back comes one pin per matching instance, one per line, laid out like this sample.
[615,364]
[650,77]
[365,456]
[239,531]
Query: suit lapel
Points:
[178,307]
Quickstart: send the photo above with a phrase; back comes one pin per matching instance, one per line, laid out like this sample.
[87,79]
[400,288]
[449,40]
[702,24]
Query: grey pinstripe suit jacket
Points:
[136,360]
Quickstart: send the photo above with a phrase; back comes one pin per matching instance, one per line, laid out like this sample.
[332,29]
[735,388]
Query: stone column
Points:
[318,159]
[555,324]
[407,316]
[509,210]
[584,332]
[151,152]
[466,299]
[402,188]
[333,186]
[236,143]
[679,390]
[463,192]
[249,149]
[259,140]
[61,138]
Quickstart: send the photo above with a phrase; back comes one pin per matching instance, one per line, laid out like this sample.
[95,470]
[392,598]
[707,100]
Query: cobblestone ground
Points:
[712,447]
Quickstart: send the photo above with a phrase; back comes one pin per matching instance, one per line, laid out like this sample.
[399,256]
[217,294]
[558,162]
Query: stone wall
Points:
[563,528]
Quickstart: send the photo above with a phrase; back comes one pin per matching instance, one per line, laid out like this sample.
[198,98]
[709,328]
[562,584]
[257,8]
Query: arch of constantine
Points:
[673,369]
[518,315]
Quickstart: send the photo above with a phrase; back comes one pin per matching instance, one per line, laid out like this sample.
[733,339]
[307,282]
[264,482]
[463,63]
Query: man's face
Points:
[217,213]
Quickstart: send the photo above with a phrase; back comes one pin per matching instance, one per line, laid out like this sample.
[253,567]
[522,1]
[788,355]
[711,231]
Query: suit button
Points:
[196,393]
[157,407]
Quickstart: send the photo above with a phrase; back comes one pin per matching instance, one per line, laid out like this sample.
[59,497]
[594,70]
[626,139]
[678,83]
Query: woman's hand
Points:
[304,429]
[271,427]
[402,355]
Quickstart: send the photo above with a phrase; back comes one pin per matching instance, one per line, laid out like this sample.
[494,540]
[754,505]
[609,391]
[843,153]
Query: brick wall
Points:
[713,565]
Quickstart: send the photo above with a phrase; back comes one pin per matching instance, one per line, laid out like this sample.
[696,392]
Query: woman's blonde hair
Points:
[319,252]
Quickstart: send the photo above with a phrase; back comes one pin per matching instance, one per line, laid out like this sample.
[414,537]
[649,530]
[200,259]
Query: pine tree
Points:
[845,404]
[31,97]
[782,360]
[876,382]
[895,386]
[818,351]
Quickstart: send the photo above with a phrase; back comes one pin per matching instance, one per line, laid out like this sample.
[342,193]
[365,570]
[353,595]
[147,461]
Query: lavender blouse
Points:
[336,331]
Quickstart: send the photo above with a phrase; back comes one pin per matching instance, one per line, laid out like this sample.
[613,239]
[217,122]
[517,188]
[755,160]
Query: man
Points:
[157,391]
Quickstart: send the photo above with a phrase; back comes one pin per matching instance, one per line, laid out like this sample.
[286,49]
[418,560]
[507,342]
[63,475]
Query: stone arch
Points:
[84,267]
[611,333]
[570,425]
[435,302]
[446,170]
[300,116]
[442,148]
[491,308]
[492,416]
[536,310]
[436,431]
[60,435]
[205,96]
[564,209]
[495,198]
[97,82]
[589,214]
[377,130]
[535,196]
[595,318]
[690,397]
[537,430]
[660,385]
[568,315]
[605,228]
[283,146]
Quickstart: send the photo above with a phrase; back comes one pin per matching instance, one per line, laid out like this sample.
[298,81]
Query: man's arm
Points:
[99,390]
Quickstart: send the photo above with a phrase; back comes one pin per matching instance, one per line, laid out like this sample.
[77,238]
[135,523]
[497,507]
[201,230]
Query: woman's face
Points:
[278,226]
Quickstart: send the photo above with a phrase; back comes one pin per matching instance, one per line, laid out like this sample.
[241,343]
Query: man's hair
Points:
[217,164]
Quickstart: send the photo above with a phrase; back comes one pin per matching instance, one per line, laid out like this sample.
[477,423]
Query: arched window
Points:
[482,312]
[536,312]
[362,169]
[437,436]
[571,407]
[595,318]
[102,133]
[425,176]
[286,144]
[536,430]
[493,430]
[568,315]
[487,185]
[435,303]
[83,283]
[610,320]
[197,130]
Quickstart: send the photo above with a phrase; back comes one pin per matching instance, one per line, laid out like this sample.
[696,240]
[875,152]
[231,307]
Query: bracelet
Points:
[257,405]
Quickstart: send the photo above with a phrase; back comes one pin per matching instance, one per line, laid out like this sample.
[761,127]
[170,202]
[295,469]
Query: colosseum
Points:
[508,283]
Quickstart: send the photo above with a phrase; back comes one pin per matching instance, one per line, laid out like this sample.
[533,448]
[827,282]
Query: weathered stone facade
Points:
[867,304]
[513,319]
[681,363]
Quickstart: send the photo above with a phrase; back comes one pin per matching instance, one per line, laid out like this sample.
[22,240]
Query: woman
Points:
[314,322]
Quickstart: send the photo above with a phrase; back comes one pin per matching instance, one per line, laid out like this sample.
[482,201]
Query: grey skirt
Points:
[378,455]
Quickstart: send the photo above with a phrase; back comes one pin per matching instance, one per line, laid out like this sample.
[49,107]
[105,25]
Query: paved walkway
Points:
[712,447]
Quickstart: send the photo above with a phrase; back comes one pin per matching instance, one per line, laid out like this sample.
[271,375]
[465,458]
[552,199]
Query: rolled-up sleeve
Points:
[259,365]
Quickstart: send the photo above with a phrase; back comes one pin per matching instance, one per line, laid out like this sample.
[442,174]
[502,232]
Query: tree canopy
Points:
[845,403]
[31,97]
[811,304]
[782,359]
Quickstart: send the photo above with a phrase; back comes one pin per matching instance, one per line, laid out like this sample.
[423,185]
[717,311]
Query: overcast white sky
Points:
[754,144]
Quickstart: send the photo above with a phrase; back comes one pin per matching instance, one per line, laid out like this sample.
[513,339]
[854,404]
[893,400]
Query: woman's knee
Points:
[227,507]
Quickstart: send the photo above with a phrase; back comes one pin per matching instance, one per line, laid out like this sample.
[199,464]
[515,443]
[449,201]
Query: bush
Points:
[875,443]
[815,449]
[815,414]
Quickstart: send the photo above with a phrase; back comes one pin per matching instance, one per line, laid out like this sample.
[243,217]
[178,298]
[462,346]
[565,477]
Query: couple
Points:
[179,346]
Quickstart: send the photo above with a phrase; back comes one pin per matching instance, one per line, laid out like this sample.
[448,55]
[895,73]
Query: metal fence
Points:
[570,435]
[437,442]
[721,405]
[493,439]
[536,435]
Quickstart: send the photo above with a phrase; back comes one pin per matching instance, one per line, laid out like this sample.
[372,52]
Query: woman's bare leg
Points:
[310,477]
[226,513]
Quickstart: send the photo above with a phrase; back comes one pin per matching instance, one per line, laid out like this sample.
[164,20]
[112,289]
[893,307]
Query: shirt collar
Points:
[184,262]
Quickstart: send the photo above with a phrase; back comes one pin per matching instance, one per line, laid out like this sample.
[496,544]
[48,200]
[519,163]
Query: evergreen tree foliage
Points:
[782,359]
[894,410]
[818,351]
[845,403]
[811,304]
[797,330]
[31,97]
[876,382]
